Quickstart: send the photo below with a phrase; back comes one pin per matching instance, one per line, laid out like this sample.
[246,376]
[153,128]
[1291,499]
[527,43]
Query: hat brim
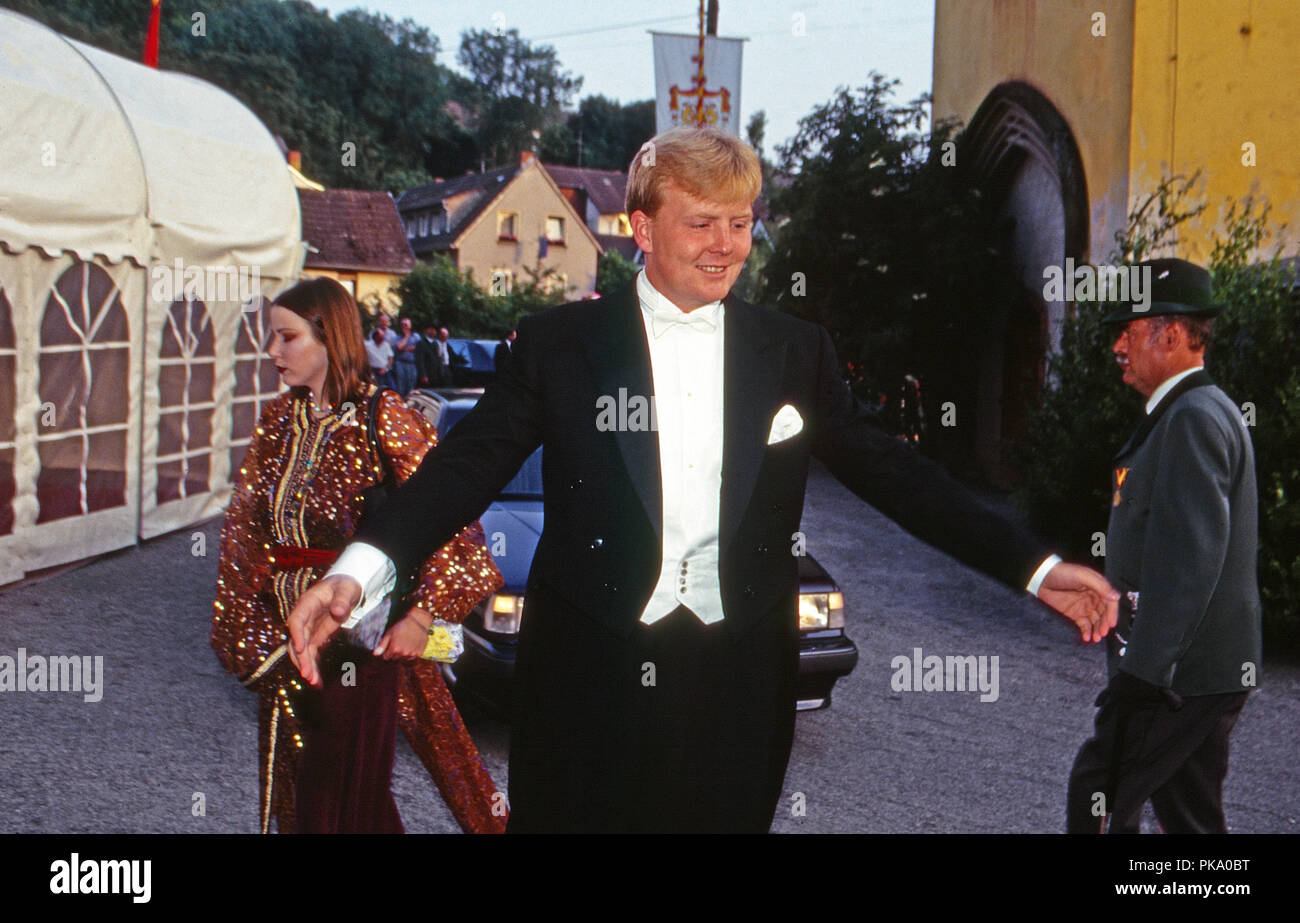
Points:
[1162,309]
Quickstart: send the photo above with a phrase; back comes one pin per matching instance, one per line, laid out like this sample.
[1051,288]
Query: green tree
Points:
[437,293]
[613,271]
[883,245]
[521,90]
[361,80]
[603,134]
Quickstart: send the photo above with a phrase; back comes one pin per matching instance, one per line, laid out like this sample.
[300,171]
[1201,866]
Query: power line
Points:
[626,25]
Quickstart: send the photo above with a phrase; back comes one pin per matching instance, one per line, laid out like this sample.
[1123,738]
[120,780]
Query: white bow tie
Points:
[663,318]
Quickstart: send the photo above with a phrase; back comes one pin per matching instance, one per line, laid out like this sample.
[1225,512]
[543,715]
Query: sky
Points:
[608,44]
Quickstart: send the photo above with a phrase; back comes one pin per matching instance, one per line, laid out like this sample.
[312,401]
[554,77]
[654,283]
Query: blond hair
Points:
[702,162]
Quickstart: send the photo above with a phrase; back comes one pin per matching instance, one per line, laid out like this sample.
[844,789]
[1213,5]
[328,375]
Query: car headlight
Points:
[821,610]
[503,614]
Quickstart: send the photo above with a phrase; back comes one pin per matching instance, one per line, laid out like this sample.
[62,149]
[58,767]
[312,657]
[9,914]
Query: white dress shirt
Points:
[686,364]
[379,355]
[1168,385]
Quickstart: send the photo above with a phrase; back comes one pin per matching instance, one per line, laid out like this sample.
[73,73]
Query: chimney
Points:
[526,156]
[295,160]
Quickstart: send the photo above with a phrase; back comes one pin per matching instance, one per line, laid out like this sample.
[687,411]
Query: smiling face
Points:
[300,357]
[694,248]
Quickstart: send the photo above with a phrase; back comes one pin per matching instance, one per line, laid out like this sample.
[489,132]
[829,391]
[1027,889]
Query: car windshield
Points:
[527,482]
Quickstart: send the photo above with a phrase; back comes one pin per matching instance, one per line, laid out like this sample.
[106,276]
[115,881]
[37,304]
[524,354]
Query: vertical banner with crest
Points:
[697,80]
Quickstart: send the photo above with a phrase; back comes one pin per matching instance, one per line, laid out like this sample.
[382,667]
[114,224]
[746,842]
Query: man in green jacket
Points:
[1181,549]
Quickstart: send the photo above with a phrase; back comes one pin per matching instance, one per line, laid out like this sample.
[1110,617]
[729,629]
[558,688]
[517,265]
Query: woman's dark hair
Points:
[335,321]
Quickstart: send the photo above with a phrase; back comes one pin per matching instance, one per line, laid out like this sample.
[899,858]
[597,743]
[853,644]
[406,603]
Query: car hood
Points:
[512,528]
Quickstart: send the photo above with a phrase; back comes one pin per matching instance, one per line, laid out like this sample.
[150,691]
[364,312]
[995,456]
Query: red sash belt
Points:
[291,557]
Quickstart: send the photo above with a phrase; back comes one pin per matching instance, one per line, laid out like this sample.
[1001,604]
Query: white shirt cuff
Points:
[370,568]
[1041,574]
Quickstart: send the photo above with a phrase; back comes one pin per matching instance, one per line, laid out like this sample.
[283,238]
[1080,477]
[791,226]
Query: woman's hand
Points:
[408,638]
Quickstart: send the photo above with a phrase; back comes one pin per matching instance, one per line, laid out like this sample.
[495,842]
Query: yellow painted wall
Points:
[1172,86]
[534,198]
[366,285]
[979,44]
[1210,75]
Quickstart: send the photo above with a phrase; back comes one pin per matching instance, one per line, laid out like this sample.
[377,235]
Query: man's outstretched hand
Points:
[1083,596]
[319,612]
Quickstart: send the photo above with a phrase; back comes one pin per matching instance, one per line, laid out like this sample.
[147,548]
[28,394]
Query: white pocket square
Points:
[786,424]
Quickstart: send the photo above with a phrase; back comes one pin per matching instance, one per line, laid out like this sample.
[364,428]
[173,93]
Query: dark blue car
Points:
[513,525]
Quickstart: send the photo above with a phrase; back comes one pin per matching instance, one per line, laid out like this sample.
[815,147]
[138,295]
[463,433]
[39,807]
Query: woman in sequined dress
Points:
[325,757]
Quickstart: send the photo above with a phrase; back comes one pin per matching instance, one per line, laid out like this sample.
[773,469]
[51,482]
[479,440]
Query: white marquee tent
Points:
[139,210]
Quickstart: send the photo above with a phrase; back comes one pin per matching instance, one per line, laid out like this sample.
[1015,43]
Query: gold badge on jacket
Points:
[1121,474]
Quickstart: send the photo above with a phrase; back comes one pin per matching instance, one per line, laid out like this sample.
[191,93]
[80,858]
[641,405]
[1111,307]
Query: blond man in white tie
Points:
[655,679]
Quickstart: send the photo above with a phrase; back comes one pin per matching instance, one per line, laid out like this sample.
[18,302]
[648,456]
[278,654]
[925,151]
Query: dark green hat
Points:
[1176,287]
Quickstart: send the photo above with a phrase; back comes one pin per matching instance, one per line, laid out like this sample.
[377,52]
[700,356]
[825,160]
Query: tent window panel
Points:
[200,422]
[170,476]
[188,331]
[183,477]
[243,418]
[171,434]
[80,475]
[6,323]
[245,377]
[106,476]
[268,378]
[85,306]
[8,404]
[201,382]
[7,488]
[171,385]
[8,374]
[64,384]
[88,382]
[110,371]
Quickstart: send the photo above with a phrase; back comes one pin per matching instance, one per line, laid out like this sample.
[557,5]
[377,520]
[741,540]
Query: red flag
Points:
[151,43]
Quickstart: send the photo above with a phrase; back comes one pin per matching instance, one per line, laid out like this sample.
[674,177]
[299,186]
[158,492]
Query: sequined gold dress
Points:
[299,487]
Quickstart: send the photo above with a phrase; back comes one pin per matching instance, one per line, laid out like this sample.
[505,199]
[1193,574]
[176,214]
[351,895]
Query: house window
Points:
[508,226]
[424,225]
[555,230]
[410,229]
[556,282]
[503,280]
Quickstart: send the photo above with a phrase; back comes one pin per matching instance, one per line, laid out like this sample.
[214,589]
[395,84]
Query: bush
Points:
[613,271]
[437,293]
[1087,413]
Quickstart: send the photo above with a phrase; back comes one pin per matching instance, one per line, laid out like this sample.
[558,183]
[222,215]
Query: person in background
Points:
[501,358]
[380,356]
[428,364]
[404,370]
[326,756]
[1181,546]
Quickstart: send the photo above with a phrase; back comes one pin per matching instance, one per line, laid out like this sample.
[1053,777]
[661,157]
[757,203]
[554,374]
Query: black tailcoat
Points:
[584,705]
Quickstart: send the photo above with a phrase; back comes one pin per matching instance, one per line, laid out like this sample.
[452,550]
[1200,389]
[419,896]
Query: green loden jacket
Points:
[1183,534]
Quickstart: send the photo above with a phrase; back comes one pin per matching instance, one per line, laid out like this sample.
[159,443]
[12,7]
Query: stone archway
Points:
[1023,153]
